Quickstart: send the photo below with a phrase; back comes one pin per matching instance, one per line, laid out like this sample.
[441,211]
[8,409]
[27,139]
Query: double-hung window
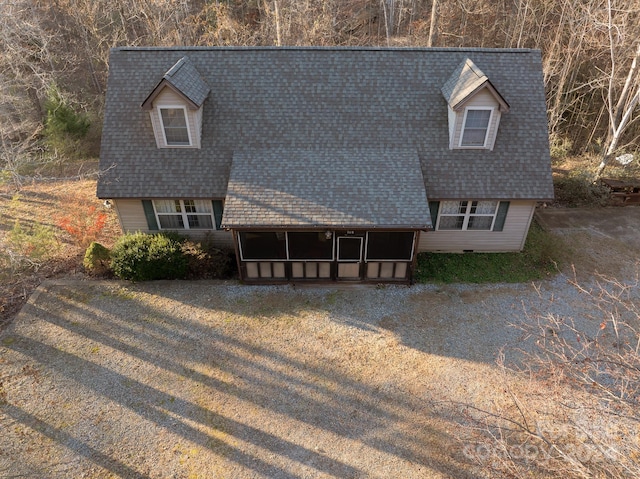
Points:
[467,215]
[184,214]
[475,127]
[174,126]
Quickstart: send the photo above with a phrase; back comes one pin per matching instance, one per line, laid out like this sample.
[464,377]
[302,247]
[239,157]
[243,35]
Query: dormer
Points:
[175,106]
[474,107]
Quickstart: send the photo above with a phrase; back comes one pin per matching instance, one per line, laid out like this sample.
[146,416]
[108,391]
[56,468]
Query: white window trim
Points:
[186,119]
[485,144]
[467,215]
[185,217]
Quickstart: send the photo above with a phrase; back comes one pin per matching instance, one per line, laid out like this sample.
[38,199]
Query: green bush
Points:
[96,259]
[141,257]
[578,189]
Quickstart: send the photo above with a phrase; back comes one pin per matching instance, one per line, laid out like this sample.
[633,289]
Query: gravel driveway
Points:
[218,380]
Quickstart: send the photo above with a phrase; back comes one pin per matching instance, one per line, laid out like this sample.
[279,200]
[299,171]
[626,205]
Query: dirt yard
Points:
[205,379]
[214,379]
[34,247]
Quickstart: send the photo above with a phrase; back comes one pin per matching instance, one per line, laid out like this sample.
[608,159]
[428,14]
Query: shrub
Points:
[560,147]
[85,225]
[577,189]
[208,262]
[37,242]
[96,259]
[141,257]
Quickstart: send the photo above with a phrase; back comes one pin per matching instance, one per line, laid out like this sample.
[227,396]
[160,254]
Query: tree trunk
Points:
[620,115]
[433,27]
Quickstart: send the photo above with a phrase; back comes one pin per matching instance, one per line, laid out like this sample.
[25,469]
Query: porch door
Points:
[349,257]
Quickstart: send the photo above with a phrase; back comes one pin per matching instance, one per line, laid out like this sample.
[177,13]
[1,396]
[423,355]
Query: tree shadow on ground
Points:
[222,377]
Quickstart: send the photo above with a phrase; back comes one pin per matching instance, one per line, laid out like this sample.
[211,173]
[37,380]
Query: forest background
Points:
[54,59]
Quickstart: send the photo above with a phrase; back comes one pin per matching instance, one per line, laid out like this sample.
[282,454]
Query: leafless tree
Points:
[572,405]
[621,110]
[433,24]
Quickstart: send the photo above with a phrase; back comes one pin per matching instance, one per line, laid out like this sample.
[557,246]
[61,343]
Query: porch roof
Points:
[343,188]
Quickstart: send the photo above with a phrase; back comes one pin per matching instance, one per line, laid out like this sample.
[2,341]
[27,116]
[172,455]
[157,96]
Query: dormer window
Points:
[474,107]
[475,127]
[175,106]
[174,126]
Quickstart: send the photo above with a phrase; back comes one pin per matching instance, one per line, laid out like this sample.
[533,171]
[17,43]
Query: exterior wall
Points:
[511,238]
[132,218]
[481,99]
[194,119]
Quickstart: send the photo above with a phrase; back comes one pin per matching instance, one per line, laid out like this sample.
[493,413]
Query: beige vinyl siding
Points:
[511,238]
[483,99]
[168,97]
[132,218]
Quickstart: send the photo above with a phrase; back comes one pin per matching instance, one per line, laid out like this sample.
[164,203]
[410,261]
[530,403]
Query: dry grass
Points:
[177,379]
[38,208]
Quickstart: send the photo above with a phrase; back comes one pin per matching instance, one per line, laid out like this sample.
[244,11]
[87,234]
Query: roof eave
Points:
[412,227]
[504,106]
[147,104]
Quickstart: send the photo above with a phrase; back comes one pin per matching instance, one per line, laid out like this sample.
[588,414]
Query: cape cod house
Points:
[326,164]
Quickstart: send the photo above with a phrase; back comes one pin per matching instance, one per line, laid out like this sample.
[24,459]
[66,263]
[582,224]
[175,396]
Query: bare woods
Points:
[590,50]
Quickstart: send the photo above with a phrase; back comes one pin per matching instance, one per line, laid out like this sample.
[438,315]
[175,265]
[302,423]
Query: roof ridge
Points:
[475,69]
[176,67]
[328,48]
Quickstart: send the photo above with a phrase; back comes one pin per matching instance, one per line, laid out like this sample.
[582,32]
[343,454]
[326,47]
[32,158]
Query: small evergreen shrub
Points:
[96,259]
[142,257]
[37,242]
[65,128]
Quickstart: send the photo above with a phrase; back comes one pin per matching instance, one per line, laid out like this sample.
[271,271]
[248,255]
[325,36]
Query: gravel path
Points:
[218,380]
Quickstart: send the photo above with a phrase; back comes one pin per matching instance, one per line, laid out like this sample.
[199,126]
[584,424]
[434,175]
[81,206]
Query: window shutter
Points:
[433,206]
[503,208]
[150,214]
[217,212]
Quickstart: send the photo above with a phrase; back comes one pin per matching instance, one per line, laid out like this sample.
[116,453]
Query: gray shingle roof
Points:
[323,99]
[285,187]
[466,80]
[184,77]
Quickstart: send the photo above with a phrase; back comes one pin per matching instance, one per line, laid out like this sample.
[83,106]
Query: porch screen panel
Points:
[310,246]
[263,245]
[390,245]
[350,248]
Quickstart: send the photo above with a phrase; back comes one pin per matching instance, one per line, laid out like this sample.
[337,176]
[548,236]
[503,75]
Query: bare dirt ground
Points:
[214,379]
[211,379]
